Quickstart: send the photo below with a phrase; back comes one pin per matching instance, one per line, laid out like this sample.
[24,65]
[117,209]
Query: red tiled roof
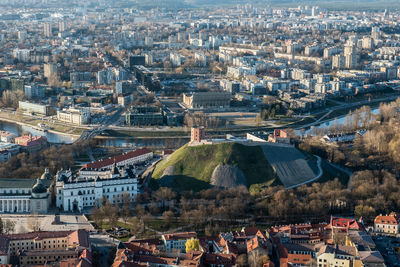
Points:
[388,219]
[110,161]
[29,140]
[141,248]
[218,259]
[86,255]
[269,264]
[250,231]
[79,237]
[150,241]
[299,259]
[180,236]
[119,263]
[346,223]
[38,235]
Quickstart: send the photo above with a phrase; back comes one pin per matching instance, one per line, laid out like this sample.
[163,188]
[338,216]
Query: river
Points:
[138,142]
[20,130]
[341,120]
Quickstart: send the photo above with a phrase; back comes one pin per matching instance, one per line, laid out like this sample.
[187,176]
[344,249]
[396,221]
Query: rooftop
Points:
[110,161]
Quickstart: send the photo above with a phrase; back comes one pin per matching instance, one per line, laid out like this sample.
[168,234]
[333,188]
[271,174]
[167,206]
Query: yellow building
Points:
[43,247]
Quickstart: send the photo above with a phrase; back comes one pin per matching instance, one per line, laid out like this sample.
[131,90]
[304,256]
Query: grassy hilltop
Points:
[194,165]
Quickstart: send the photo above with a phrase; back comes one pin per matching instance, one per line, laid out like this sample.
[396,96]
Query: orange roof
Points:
[269,264]
[346,223]
[299,258]
[219,259]
[141,247]
[387,219]
[180,236]
[79,237]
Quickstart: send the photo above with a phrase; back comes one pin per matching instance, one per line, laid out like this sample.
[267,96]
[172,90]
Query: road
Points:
[89,134]
[320,172]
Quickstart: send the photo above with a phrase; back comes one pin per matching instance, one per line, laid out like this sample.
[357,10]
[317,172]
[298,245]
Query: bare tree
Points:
[33,222]
[9,226]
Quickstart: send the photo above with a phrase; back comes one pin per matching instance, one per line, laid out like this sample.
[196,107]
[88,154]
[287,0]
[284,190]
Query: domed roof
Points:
[39,187]
[46,175]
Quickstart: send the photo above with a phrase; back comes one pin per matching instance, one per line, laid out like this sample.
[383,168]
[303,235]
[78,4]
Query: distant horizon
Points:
[330,5]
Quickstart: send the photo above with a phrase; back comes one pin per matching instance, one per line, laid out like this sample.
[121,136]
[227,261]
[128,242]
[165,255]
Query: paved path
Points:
[320,172]
[291,166]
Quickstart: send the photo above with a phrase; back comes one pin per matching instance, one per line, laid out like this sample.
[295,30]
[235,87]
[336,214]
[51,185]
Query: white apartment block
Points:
[74,116]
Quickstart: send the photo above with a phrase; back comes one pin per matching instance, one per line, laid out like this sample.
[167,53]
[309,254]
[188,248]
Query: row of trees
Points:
[201,119]
[374,157]
[271,110]
[31,165]
[7,226]
[10,98]
[199,210]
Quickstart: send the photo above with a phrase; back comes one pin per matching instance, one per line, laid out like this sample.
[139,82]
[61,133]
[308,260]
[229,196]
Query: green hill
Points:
[194,165]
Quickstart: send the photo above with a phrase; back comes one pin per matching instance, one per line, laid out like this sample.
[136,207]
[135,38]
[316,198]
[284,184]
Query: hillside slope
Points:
[291,166]
[194,165]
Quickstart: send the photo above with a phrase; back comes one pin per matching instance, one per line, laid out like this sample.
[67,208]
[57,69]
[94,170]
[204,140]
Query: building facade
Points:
[144,116]
[36,108]
[387,224]
[128,158]
[197,134]
[74,116]
[339,256]
[25,195]
[207,99]
[39,248]
[77,192]
[177,241]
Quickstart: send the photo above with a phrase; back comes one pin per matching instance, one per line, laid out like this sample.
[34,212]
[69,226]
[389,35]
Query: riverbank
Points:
[31,121]
[53,136]
[123,134]
[341,113]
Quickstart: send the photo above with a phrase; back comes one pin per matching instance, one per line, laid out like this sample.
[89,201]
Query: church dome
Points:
[39,188]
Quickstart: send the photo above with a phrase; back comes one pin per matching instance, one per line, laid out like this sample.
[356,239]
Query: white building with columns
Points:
[80,191]
[25,195]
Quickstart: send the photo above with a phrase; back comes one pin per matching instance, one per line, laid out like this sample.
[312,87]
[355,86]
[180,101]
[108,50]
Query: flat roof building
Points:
[207,100]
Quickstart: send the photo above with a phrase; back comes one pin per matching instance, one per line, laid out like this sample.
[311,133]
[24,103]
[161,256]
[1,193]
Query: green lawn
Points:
[194,165]
[162,226]
[106,225]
